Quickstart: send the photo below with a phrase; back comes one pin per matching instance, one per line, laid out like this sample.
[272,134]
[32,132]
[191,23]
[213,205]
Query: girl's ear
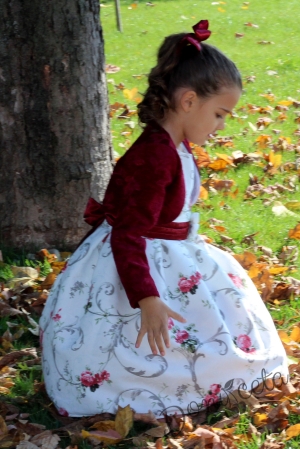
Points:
[188,99]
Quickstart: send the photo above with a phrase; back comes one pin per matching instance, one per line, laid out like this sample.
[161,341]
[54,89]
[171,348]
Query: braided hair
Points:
[179,65]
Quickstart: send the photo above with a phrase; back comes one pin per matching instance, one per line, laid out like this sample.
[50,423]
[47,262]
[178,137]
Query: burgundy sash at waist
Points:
[94,215]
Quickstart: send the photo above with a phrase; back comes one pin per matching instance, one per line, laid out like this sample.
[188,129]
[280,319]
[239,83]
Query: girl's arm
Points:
[145,175]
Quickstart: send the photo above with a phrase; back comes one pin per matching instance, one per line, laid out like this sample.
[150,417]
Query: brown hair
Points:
[179,65]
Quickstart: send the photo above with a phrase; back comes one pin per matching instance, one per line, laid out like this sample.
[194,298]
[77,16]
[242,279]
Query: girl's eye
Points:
[219,116]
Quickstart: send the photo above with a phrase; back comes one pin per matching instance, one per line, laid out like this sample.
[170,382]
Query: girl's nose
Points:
[221,126]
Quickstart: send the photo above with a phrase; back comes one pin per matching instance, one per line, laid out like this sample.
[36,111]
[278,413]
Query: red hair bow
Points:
[201,34]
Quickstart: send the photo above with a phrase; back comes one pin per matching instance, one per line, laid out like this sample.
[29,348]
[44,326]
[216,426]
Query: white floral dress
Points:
[89,330]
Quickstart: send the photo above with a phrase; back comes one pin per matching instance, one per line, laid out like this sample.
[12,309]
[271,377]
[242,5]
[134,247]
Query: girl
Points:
[144,270]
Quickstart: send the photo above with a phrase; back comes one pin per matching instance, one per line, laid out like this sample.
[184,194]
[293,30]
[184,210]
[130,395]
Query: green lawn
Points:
[134,52]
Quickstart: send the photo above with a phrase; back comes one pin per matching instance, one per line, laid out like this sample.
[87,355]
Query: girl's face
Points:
[203,117]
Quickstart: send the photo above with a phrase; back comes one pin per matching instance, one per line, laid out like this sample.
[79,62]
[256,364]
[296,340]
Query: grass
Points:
[134,52]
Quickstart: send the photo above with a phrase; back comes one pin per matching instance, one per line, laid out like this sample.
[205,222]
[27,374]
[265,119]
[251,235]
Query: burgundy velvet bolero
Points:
[146,189]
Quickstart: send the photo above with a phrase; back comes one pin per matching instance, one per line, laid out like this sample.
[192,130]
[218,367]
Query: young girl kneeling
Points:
[146,313]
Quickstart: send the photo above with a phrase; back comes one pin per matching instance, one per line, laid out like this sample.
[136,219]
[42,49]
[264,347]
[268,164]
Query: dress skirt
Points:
[89,330]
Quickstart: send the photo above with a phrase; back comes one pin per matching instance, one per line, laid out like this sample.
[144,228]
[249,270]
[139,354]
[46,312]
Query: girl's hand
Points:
[154,322]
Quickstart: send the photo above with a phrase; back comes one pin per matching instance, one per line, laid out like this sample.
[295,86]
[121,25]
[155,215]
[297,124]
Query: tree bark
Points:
[55,147]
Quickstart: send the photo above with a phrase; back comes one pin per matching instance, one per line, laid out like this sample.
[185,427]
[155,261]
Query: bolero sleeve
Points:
[144,176]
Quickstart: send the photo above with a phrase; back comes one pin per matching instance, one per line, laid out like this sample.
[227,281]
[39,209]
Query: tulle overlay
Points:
[88,329]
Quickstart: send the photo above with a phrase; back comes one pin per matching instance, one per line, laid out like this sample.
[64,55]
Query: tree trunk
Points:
[55,147]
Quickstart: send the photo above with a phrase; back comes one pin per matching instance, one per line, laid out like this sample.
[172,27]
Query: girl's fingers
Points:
[166,337]
[151,342]
[140,337]
[159,343]
[177,316]
[156,328]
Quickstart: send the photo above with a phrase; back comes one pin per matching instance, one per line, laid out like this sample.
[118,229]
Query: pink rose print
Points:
[170,323]
[195,278]
[55,317]
[244,343]
[189,285]
[238,282]
[99,378]
[105,375]
[63,412]
[181,336]
[185,285]
[87,379]
[215,388]
[210,399]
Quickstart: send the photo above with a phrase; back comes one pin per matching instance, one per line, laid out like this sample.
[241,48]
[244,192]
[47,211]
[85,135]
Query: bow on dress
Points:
[94,213]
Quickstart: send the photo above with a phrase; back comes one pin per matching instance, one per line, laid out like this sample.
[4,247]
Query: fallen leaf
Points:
[275,159]
[269,96]
[292,431]
[175,444]
[109,436]
[250,79]
[110,68]
[158,431]
[202,157]
[11,358]
[278,270]
[132,94]
[127,113]
[140,441]
[281,211]
[25,272]
[26,445]
[57,267]
[218,165]
[44,254]
[259,419]
[48,282]
[263,140]
[285,102]
[131,124]
[46,440]
[250,24]
[225,158]
[293,205]
[295,233]
[246,259]
[271,72]
[263,122]
[265,42]
[104,425]
[282,117]
[124,420]
[295,334]
[203,193]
